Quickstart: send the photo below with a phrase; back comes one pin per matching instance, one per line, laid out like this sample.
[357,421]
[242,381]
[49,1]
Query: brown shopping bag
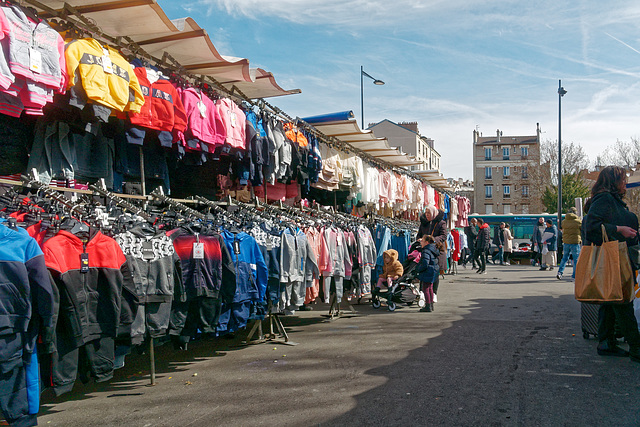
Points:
[604,273]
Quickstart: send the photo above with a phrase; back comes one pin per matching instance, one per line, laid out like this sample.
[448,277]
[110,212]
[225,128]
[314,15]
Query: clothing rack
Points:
[159,194]
[101,189]
[32,182]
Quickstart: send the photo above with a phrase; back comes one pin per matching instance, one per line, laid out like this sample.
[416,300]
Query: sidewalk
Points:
[503,348]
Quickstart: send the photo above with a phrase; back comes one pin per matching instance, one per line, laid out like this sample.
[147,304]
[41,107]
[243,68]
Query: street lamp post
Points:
[375,81]
[561,93]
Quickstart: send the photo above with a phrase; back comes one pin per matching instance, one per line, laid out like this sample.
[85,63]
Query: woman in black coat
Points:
[620,224]
[432,223]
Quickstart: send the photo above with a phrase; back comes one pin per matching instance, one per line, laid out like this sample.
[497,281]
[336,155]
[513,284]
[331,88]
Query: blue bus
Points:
[521,226]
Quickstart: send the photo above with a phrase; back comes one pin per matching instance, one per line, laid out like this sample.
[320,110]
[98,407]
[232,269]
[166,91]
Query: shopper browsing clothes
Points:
[608,209]
[432,223]
[549,246]
[483,243]
[571,240]
[428,270]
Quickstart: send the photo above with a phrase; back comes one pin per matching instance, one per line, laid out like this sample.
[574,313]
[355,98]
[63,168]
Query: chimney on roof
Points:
[498,134]
[412,126]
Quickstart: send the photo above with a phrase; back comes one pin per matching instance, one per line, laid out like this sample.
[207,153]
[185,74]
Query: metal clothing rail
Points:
[102,190]
[158,194]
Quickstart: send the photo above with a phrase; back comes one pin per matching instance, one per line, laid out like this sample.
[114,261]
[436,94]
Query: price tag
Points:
[198,251]
[147,251]
[35,61]
[233,118]
[84,263]
[202,108]
[107,65]
[236,247]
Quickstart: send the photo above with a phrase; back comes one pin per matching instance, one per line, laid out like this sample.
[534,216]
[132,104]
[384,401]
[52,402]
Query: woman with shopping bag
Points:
[607,265]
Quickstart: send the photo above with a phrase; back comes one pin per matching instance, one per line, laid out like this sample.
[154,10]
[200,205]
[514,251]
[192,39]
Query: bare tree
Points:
[574,159]
[622,153]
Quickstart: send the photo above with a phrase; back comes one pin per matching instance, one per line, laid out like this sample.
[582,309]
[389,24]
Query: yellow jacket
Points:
[119,90]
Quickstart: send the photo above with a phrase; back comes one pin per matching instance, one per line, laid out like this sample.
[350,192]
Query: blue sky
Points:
[449,65]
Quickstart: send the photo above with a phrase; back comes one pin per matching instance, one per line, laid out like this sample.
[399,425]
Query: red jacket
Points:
[162,109]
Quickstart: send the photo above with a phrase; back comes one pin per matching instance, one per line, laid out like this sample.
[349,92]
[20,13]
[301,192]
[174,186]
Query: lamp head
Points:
[378,82]
[561,91]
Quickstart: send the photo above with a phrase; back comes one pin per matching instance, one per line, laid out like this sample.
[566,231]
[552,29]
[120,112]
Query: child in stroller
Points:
[402,289]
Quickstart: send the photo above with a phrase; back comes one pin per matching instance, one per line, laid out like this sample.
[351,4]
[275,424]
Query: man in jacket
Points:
[536,241]
[472,233]
[482,245]
[550,240]
[498,240]
[571,239]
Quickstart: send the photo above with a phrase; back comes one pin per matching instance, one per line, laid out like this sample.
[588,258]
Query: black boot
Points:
[606,348]
[427,308]
[431,306]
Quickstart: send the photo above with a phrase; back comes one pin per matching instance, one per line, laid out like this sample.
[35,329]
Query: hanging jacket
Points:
[27,299]
[203,119]
[91,296]
[297,258]
[233,120]
[249,266]
[211,276]
[162,109]
[118,90]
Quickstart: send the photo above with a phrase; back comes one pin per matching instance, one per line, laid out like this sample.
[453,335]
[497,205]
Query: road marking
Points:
[572,375]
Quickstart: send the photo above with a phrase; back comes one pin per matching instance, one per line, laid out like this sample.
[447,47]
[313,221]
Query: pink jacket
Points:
[234,121]
[206,126]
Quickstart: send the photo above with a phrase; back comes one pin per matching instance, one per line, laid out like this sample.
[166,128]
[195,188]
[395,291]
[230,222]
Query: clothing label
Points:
[236,247]
[107,65]
[147,251]
[202,108]
[339,242]
[35,61]
[84,263]
[198,251]
[233,118]
[269,246]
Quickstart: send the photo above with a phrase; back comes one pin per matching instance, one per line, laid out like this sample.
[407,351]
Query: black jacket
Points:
[483,242]
[610,210]
[472,234]
[498,236]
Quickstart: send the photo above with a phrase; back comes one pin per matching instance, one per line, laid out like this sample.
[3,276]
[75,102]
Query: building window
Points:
[525,209]
[488,209]
[506,209]
[505,153]
[525,191]
[506,172]
[488,191]
[525,172]
[506,191]
[525,152]
[487,172]
[487,153]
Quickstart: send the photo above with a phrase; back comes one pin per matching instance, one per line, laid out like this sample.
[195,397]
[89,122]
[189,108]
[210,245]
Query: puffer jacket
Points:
[571,227]
[392,267]
[428,267]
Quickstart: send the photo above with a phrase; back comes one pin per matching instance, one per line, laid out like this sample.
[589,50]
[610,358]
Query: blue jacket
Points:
[552,243]
[251,270]
[26,298]
[428,268]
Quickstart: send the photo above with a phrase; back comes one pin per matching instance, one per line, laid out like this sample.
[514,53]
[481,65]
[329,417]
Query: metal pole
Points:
[152,362]
[142,177]
[561,92]
[362,95]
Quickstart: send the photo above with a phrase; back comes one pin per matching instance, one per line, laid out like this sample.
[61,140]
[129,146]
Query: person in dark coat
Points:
[472,233]
[608,208]
[432,223]
[536,242]
[483,243]
[428,270]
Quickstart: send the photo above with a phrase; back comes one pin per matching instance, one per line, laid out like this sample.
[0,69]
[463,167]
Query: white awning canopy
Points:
[436,178]
[146,24]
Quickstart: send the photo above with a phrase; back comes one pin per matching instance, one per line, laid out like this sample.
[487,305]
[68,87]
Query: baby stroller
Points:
[404,290]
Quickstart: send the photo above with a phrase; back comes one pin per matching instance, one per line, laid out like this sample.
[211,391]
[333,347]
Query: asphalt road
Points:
[501,349]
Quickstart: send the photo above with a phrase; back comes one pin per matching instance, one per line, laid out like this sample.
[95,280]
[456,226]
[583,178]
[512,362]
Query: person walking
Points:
[609,209]
[508,243]
[483,242]
[498,240]
[571,240]
[536,240]
[433,224]
[550,246]
[471,232]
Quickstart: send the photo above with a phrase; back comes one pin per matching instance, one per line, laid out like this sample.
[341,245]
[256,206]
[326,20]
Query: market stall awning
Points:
[146,24]
[349,132]
[436,178]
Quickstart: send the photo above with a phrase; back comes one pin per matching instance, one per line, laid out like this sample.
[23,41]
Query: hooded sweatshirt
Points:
[483,241]
[392,267]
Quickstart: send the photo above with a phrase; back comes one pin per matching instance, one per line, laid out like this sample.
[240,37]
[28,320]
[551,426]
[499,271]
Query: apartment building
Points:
[406,136]
[503,172]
